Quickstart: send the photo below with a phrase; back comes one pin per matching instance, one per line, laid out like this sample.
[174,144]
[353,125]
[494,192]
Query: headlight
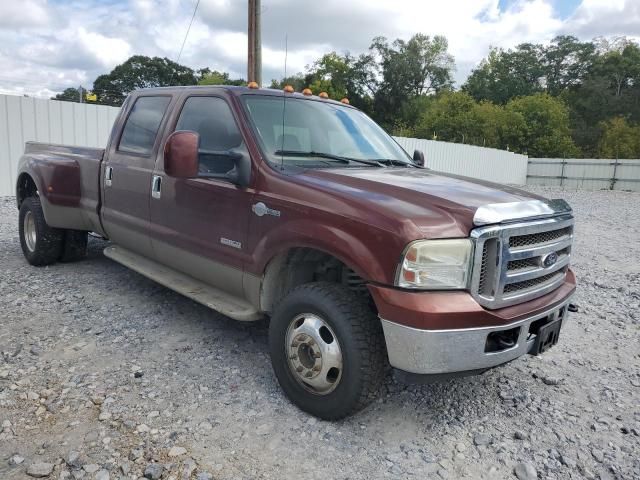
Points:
[436,265]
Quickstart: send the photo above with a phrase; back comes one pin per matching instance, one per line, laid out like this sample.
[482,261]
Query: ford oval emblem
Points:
[550,260]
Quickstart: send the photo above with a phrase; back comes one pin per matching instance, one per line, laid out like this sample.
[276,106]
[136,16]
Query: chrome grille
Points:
[538,238]
[509,260]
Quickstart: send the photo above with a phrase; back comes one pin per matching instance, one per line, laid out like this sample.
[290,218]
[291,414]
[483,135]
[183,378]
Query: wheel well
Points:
[305,265]
[26,188]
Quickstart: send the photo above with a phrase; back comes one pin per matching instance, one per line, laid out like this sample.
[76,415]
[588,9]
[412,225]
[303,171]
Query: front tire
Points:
[327,350]
[41,244]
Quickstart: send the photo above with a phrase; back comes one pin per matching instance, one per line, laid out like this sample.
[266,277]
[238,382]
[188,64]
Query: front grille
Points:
[538,238]
[527,284]
[509,263]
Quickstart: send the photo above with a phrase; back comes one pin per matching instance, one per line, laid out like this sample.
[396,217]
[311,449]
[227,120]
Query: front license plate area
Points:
[547,336]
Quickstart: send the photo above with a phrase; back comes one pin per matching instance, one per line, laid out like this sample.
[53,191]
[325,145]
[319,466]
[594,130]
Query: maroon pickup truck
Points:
[264,203]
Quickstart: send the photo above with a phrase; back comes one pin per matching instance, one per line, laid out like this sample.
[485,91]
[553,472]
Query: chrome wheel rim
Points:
[313,354]
[29,229]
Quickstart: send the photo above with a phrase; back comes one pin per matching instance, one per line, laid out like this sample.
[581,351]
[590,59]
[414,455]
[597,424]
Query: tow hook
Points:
[572,307]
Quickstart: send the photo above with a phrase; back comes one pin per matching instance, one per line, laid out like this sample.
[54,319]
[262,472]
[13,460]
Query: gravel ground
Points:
[105,374]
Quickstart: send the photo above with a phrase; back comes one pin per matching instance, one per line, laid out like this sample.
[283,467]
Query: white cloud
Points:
[24,13]
[49,46]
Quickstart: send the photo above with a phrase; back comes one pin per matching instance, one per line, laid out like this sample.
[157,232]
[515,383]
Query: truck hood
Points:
[437,204]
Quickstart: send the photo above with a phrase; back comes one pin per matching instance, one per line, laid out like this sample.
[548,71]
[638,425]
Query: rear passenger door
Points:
[127,174]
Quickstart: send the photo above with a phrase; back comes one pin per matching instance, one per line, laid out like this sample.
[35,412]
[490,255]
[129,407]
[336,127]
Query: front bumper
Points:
[437,352]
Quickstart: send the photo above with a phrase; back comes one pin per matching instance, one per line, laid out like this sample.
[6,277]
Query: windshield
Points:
[320,134]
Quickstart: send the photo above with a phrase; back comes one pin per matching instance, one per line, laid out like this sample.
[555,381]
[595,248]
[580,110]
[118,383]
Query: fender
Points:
[67,180]
[365,259]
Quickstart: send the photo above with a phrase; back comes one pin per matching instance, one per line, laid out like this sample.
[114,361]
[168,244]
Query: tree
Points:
[566,62]
[507,74]
[419,66]
[619,139]
[140,72]
[547,132]
[457,117]
[298,81]
[218,78]
[71,95]
[610,88]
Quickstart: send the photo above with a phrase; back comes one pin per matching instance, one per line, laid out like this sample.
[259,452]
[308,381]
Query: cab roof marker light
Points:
[323,95]
[253,85]
[288,89]
[307,92]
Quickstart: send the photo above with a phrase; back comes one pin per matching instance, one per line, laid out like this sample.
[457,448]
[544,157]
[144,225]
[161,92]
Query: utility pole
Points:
[80,94]
[254,54]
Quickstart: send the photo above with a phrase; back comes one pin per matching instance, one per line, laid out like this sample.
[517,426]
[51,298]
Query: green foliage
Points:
[408,69]
[547,132]
[619,139]
[70,95]
[507,74]
[140,72]
[457,117]
[297,81]
[218,78]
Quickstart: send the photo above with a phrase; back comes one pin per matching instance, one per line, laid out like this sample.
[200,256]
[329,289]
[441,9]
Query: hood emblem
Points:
[549,260]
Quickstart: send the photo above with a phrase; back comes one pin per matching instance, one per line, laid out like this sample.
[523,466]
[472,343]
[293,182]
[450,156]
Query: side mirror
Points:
[241,172]
[181,154]
[418,158]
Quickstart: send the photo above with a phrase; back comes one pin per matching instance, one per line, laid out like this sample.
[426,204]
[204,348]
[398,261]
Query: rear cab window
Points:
[142,125]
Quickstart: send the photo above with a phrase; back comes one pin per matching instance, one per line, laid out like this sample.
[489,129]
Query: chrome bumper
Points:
[449,351]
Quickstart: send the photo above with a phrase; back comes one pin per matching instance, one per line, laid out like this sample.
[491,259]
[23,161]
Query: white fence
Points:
[484,163]
[23,119]
[588,174]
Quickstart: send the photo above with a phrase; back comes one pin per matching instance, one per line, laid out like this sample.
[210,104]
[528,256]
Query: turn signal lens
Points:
[253,85]
[323,95]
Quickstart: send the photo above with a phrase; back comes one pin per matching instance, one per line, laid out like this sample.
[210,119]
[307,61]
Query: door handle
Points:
[108,176]
[156,186]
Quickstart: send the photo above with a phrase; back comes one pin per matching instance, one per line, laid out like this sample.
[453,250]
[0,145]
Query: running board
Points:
[189,287]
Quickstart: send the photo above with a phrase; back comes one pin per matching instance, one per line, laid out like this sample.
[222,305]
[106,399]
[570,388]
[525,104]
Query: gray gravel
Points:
[105,374]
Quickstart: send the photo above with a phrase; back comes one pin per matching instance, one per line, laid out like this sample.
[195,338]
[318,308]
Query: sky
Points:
[49,45]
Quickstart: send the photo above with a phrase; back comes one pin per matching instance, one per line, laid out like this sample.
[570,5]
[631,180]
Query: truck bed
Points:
[68,182]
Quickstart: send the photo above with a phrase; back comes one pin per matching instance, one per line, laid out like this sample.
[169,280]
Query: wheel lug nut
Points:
[299,369]
[308,374]
[316,368]
[317,354]
[293,357]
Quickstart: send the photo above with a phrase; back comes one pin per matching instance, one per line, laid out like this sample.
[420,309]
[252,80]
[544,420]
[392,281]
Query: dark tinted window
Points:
[212,119]
[141,128]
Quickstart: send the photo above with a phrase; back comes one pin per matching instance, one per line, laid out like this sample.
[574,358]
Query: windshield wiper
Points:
[391,161]
[331,156]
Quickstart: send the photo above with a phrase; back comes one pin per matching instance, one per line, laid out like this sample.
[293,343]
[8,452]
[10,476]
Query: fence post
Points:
[614,178]
[564,162]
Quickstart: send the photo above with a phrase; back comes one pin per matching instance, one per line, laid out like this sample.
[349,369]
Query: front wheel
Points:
[327,350]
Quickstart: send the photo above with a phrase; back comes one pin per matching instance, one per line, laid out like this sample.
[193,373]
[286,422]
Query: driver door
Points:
[199,226]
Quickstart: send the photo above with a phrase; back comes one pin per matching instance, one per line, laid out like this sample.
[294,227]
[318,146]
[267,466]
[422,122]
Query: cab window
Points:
[212,120]
[141,128]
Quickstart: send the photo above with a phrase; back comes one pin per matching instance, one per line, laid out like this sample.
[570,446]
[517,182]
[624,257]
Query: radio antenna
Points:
[284,99]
